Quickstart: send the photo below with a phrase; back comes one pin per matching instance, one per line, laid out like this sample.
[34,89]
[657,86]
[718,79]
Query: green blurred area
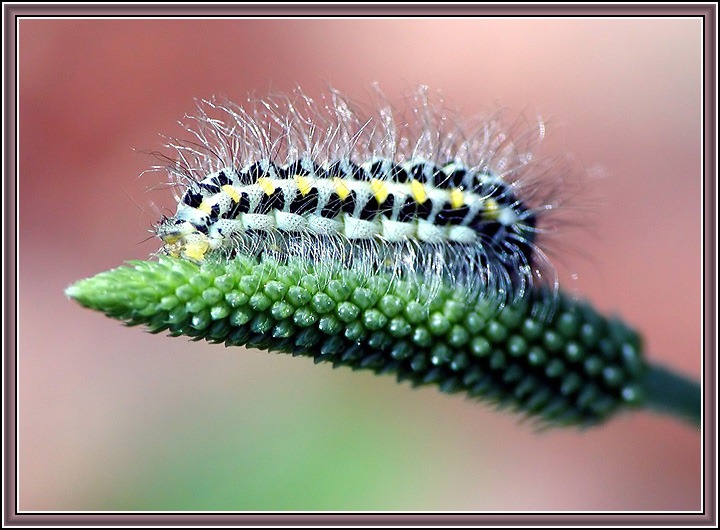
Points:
[271,454]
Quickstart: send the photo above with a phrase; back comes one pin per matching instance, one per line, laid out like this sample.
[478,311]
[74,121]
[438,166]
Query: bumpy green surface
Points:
[573,367]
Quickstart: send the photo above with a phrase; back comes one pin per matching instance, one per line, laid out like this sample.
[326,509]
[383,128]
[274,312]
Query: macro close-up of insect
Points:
[382,243]
[440,265]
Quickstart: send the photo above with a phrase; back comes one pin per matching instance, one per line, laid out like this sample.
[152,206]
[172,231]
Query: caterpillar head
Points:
[182,239]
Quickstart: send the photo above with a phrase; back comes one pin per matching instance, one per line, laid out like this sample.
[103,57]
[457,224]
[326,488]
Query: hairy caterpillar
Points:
[417,194]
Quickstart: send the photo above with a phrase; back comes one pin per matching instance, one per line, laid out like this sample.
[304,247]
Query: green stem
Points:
[672,393]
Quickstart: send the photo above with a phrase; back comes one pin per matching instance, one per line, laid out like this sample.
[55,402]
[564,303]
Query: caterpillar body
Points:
[327,184]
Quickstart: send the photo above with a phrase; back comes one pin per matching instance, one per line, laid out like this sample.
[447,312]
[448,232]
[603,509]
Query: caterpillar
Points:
[423,196]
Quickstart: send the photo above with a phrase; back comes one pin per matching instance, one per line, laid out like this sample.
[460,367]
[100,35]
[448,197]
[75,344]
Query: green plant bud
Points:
[568,366]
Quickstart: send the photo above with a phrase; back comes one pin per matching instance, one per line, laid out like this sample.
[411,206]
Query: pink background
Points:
[118,419]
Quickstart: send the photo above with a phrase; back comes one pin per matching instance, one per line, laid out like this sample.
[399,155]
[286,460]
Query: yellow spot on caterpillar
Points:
[205,207]
[196,250]
[418,191]
[380,190]
[341,188]
[492,210]
[456,198]
[266,185]
[234,195]
[304,184]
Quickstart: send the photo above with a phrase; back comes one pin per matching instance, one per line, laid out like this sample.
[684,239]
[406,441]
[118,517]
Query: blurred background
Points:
[113,418]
